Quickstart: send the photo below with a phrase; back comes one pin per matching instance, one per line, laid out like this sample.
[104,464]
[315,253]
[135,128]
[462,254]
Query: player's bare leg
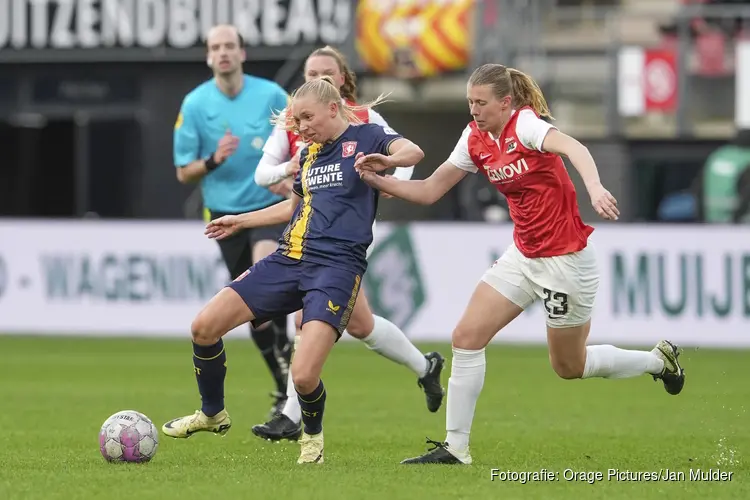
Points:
[315,343]
[572,359]
[224,312]
[488,312]
[273,342]
[385,338]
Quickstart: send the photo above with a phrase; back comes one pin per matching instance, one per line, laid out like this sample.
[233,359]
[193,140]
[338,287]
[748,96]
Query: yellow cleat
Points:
[311,449]
[186,426]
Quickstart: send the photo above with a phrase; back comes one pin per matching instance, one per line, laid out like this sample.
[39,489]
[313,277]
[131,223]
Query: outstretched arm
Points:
[430,190]
[423,192]
[276,214]
[602,200]
[227,225]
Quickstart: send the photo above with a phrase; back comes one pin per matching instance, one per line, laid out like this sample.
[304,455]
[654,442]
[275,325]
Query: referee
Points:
[218,141]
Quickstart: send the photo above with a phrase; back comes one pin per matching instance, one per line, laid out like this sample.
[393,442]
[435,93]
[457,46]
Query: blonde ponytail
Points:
[526,92]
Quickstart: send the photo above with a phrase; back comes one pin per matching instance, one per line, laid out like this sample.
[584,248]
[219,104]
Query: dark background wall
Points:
[97,138]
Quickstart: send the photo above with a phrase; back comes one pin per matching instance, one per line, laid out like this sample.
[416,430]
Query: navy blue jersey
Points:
[332,225]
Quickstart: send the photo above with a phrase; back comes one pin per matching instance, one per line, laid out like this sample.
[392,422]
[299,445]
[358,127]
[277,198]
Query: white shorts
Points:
[369,249]
[566,284]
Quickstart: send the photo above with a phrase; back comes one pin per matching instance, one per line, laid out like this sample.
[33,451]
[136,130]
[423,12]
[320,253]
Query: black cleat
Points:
[673,375]
[438,455]
[278,428]
[430,383]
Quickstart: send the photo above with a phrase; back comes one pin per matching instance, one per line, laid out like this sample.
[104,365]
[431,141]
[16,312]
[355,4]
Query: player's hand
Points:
[223,227]
[293,166]
[282,188]
[227,146]
[368,177]
[603,202]
[374,162]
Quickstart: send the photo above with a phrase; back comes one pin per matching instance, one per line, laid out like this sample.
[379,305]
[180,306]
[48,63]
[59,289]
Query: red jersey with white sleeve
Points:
[540,193]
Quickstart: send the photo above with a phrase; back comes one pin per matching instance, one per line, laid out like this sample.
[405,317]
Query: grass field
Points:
[56,392]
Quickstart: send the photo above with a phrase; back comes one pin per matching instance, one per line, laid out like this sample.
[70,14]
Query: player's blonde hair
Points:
[511,82]
[325,92]
[349,89]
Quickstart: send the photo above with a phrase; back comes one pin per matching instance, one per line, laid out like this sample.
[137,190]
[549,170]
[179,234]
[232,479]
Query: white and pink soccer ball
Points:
[128,436]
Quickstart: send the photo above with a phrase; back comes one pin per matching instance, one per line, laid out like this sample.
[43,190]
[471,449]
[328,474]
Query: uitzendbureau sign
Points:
[163,29]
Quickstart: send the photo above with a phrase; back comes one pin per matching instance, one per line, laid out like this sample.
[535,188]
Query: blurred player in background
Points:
[318,266]
[279,164]
[218,140]
[550,257]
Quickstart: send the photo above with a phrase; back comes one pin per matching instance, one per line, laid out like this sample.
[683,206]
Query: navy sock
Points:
[265,339]
[312,406]
[210,362]
[283,344]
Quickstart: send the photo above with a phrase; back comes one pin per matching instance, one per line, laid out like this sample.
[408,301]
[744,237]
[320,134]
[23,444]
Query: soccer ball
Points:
[128,436]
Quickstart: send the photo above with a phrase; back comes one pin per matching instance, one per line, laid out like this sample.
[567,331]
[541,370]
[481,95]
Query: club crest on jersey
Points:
[348,149]
[511,146]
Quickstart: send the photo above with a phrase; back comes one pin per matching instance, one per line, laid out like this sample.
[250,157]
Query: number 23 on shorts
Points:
[555,303]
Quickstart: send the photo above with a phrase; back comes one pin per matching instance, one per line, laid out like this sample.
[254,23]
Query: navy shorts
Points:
[278,285]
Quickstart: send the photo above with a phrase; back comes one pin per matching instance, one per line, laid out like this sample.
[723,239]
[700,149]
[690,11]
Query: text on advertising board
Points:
[71,24]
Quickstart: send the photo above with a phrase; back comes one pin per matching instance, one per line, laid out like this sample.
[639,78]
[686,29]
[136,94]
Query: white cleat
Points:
[311,451]
[186,426]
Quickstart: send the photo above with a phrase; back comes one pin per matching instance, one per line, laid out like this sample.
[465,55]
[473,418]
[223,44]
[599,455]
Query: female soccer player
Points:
[318,267]
[279,163]
[550,257]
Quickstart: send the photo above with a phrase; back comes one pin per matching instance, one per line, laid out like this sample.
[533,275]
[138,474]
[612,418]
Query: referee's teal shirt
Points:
[205,116]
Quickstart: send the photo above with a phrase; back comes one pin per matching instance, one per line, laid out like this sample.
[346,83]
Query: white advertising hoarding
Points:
[690,284]
[687,283]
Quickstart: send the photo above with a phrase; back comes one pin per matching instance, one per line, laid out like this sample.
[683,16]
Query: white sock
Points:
[608,361]
[390,342]
[464,387]
[291,407]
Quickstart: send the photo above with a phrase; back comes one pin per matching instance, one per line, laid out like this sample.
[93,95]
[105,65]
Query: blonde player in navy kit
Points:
[319,264]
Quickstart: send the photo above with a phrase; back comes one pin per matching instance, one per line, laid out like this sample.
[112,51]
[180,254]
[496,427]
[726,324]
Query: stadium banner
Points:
[647,81]
[687,284]
[151,279]
[414,39]
[86,25]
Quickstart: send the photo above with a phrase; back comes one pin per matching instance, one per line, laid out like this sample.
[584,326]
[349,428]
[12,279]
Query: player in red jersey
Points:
[550,258]
[279,163]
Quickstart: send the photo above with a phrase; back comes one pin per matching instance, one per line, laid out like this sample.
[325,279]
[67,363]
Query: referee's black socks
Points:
[210,364]
[312,406]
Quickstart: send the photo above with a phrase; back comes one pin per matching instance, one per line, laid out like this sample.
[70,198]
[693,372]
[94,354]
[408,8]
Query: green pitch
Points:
[56,392]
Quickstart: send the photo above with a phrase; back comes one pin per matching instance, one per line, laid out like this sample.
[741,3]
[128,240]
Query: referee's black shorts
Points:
[237,250]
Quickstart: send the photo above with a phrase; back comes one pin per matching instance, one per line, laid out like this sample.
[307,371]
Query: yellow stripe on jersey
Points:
[296,237]
[350,306]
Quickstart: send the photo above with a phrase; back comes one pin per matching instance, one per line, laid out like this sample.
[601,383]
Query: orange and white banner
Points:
[430,36]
